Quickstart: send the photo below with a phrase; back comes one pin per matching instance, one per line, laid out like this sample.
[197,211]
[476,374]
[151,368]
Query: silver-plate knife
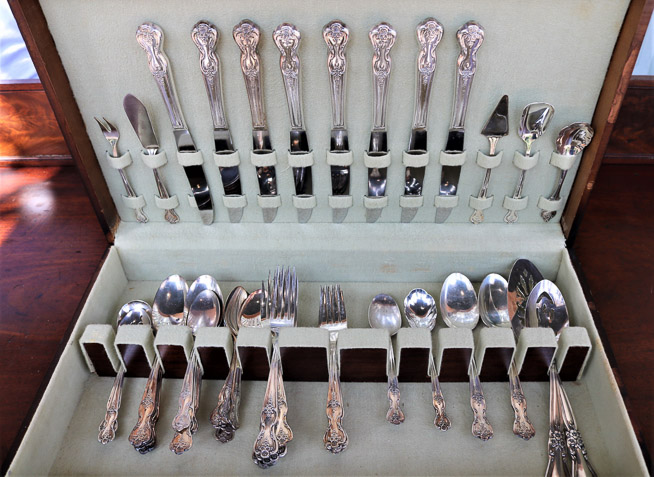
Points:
[429,33]
[336,35]
[246,35]
[205,37]
[470,36]
[287,38]
[382,37]
[151,38]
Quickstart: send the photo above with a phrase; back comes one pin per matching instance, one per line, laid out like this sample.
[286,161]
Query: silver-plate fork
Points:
[111,134]
[331,316]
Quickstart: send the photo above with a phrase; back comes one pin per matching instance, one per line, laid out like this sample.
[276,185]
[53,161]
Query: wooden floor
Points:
[51,243]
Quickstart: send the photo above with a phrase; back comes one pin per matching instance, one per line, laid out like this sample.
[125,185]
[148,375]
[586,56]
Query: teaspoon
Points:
[421,311]
[135,312]
[460,310]
[383,313]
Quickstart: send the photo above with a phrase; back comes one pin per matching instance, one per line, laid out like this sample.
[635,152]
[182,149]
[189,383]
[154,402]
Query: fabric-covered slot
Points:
[453,349]
[572,353]
[254,347]
[534,353]
[214,346]
[174,345]
[304,353]
[494,348]
[363,354]
[412,352]
[135,347]
[97,344]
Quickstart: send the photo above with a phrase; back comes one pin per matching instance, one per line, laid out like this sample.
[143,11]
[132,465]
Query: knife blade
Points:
[205,36]
[140,120]
[523,278]
[382,37]
[150,37]
[287,39]
[246,35]
[470,36]
[429,33]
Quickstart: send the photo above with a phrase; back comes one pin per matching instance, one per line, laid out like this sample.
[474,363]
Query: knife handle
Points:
[429,33]
[470,36]
[246,35]
[382,37]
[336,35]
[151,38]
[287,38]
[205,37]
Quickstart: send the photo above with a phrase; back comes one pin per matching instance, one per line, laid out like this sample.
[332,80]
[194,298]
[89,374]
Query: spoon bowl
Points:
[235,301]
[459,302]
[135,312]
[420,309]
[573,139]
[546,308]
[384,313]
[170,305]
[250,314]
[534,121]
[202,283]
[204,311]
[493,301]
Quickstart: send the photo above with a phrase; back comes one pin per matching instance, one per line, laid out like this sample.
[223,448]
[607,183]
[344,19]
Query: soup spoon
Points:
[135,312]
[383,313]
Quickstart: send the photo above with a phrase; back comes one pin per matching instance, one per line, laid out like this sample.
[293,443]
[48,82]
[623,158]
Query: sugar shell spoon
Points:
[494,312]
[421,311]
[383,313]
[460,310]
[135,312]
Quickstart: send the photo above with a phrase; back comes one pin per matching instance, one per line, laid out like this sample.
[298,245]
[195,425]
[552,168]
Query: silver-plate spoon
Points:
[384,313]
[421,311]
[460,310]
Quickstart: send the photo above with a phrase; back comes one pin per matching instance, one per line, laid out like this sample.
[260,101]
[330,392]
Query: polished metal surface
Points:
[112,135]
[496,128]
[546,307]
[135,312]
[247,35]
[572,140]
[383,313]
[336,36]
[205,36]
[429,33]
[225,417]
[523,278]
[140,119]
[204,311]
[202,283]
[170,305]
[494,312]
[250,315]
[420,309]
[332,317]
[151,38]
[470,37]
[534,121]
[459,302]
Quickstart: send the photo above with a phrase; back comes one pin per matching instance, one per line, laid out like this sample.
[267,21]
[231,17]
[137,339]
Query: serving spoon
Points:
[546,309]
[135,312]
[421,312]
[225,416]
[494,312]
[383,313]
[460,310]
[169,308]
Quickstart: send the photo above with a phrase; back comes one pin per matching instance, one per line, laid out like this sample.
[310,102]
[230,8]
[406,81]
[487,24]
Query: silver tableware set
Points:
[470,36]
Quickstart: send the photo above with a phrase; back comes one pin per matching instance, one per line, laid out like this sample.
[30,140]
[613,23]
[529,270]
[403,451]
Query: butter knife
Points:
[140,120]
[150,37]
[287,38]
[336,36]
[382,37]
[246,35]
[205,37]
[470,36]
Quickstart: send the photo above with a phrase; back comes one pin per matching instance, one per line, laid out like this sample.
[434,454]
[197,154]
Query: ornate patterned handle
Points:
[481,427]
[225,415]
[287,39]
[429,34]
[143,432]
[556,447]
[182,441]
[246,35]
[184,414]
[151,38]
[522,426]
[382,38]
[394,414]
[336,36]
[109,425]
[284,432]
[470,36]
[335,437]
[266,450]
[205,37]
[441,420]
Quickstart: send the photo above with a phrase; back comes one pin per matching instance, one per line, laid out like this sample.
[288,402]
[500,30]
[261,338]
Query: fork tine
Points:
[102,125]
[321,307]
[111,126]
[341,305]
